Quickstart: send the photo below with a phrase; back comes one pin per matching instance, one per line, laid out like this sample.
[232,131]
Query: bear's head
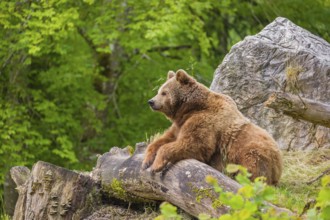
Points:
[174,94]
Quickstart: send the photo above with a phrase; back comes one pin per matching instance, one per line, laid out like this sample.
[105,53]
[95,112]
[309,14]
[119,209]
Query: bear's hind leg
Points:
[258,165]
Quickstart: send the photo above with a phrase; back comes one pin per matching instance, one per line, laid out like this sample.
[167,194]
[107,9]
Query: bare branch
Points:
[300,108]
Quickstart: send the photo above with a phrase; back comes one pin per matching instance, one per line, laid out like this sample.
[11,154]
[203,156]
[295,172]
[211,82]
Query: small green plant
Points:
[250,201]
[3,215]
[168,212]
[321,211]
[293,191]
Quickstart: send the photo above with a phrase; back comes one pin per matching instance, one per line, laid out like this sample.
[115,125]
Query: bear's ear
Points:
[183,77]
[170,74]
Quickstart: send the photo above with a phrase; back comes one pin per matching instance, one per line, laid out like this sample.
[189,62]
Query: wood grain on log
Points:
[300,108]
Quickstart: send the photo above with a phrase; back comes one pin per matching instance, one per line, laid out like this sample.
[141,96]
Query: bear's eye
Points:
[163,93]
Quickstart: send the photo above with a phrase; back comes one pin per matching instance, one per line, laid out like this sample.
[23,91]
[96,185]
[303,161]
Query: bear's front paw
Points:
[148,160]
[158,165]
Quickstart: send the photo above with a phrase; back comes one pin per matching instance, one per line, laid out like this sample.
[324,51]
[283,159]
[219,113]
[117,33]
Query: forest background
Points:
[75,76]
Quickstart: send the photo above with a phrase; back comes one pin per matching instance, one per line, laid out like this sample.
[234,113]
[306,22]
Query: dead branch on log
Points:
[300,108]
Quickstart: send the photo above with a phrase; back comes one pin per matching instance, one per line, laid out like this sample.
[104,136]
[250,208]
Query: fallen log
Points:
[300,108]
[180,185]
[53,192]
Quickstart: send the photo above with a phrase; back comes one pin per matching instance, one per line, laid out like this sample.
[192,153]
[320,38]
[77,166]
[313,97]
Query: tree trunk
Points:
[300,108]
[53,192]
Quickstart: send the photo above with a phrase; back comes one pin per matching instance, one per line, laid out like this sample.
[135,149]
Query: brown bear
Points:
[208,127]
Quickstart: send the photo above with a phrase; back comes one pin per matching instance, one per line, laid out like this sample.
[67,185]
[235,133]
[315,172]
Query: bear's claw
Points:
[145,165]
[148,160]
[156,167]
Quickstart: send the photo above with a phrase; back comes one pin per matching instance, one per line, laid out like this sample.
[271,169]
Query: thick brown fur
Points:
[208,127]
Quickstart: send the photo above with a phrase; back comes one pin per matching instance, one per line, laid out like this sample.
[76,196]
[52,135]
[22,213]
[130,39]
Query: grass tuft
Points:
[292,72]
[300,167]
[154,137]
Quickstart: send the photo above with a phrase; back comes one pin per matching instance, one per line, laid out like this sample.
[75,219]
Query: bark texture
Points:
[300,108]
[282,57]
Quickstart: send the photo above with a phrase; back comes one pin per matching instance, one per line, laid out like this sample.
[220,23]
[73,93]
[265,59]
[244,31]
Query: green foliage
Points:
[48,100]
[251,200]
[3,215]
[300,166]
[321,211]
[168,212]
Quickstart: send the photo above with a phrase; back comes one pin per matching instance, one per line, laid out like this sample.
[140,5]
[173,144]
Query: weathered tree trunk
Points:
[53,192]
[300,108]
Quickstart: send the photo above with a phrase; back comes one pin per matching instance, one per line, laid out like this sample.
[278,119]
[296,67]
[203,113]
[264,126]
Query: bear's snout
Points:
[151,103]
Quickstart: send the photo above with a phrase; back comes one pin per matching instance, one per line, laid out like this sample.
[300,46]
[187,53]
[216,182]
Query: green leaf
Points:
[245,214]
[204,216]
[243,179]
[251,206]
[324,196]
[246,191]
[169,211]
[232,168]
[268,193]
[312,214]
[325,181]
[325,212]
[226,217]
[236,202]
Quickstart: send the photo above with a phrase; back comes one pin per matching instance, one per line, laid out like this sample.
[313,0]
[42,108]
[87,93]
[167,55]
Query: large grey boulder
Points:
[282,57]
